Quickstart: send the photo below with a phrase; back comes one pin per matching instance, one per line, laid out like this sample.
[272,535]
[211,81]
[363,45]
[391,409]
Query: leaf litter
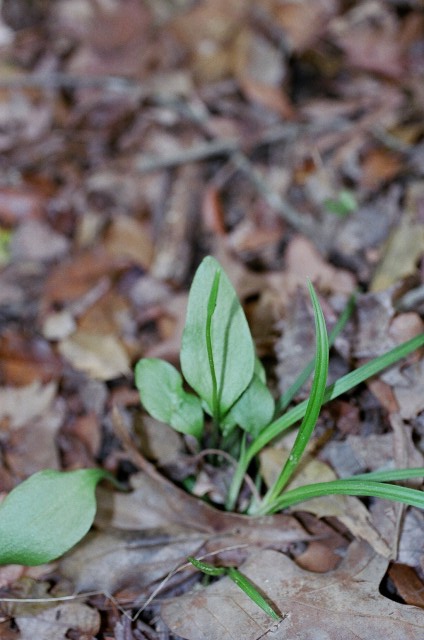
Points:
[136,140]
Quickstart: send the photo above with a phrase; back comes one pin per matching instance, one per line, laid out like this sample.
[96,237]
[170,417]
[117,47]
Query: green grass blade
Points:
[240,580]
[344,384]
[349,487]
[390,475]
[313,407]
[288,396]
[245,585]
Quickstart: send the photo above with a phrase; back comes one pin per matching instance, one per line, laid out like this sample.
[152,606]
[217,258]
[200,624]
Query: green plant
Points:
[218,362]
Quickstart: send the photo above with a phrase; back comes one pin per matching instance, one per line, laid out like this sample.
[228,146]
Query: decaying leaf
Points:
[150,532]
[341,604]
[54,623]
[102,357]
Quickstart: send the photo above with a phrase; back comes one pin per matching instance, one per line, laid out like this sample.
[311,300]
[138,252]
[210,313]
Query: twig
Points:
[227,146]
[67,81]
[297,220]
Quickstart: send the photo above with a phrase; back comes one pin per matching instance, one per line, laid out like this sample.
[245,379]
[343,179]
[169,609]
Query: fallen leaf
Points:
[410,395]
[302,21]
[159,515]
[128,238]
[23,404]
[341,604]
[403,249]
[54,623]
[100,356]
[35,240]
[304,261]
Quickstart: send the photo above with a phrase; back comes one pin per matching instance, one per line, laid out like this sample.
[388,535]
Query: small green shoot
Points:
[161,391]
[343,205]
[240,580]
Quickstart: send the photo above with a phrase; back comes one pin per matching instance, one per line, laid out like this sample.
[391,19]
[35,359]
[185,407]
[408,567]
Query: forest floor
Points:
[286,139]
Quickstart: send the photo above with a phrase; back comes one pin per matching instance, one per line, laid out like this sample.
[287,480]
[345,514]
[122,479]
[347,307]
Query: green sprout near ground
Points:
[218,361]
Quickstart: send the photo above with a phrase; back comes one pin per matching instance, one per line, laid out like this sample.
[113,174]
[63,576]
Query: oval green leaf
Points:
[47,514]
[162,394]
[254,410]
[228,363]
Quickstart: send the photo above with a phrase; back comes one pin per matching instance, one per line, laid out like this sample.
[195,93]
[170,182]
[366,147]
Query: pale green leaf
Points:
[220,373]
[47,514]
[162,394]
[254,409]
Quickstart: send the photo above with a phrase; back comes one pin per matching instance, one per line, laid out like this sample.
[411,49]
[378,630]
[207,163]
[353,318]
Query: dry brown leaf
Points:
[344,604]
[100,356]
[74,278]
[35,240]
[410,396]
[303,22]
[304,261]
[23,404]
[403,249]
[150,532]
[54,623]
[408,584]
[130,239]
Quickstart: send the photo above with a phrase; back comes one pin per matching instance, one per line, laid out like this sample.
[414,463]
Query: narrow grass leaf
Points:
[289,419]
[390,475]
[240,580]
[314,403]
[162,395]
[250,590]
[303,376]
[349,487]
[206,568]
[47,514]
[344,384]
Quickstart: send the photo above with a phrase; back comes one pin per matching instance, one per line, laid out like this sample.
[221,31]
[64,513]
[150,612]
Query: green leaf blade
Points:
[254,410]
[349,487]
[231,343]
[161,391]
[313,406]
[47,514]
